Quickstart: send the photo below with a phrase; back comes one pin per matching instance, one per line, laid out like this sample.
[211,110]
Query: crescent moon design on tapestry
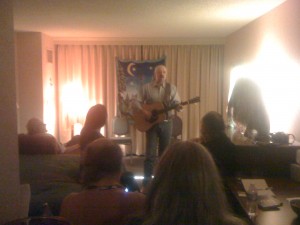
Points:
[129,71]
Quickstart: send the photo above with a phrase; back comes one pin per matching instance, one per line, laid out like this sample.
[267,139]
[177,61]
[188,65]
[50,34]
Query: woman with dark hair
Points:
[95,119]
[214,138]
[187,189]
[246,107]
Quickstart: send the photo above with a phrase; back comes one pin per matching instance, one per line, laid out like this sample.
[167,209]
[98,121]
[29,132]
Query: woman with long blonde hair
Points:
[187,189]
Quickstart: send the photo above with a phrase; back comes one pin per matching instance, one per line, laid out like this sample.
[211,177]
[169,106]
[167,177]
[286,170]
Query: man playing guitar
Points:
[159,134]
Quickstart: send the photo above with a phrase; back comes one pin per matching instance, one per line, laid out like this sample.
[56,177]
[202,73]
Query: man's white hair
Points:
[158,67]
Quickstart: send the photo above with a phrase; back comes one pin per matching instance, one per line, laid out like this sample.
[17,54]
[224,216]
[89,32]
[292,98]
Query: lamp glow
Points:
[278,77]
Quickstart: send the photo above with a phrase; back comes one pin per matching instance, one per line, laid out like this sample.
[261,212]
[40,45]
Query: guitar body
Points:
[158,114]
[140,121]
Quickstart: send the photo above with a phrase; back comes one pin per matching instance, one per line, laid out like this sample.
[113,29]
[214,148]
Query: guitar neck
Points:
[143,124]
[166,109]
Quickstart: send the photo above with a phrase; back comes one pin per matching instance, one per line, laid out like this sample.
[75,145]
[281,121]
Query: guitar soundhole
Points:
[154,116]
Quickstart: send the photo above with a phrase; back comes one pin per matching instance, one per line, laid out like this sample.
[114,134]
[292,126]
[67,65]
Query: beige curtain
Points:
[86,75]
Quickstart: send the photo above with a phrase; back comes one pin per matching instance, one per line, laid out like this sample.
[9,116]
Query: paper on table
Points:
[260,185]
[265,193]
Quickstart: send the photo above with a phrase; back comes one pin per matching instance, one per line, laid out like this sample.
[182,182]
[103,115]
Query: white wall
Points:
[36,80]
[30,79]
[49,84]
[244,45]
[9,160]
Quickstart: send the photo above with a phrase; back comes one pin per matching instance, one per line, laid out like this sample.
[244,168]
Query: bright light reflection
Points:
[140,177]
[77,128]
[279,78]
[49,101]
[49,109]
[75,106]
[74,102]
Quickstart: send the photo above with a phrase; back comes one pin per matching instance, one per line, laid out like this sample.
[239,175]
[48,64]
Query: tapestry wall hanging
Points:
[131,75]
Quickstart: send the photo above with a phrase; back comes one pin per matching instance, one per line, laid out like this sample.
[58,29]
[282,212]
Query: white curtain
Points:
[86,75]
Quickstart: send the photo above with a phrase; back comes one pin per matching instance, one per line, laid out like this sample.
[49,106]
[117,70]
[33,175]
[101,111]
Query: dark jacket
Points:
[223,152]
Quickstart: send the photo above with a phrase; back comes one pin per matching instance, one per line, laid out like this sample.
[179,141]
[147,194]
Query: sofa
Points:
[51,177]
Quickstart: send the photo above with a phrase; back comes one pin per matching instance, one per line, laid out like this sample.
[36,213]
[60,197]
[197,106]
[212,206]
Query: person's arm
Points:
[59,148]
[175,98]
[72,148]
[56,146]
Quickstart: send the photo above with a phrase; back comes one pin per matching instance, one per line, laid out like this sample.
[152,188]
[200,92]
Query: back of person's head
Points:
[245,100]
[186,188]
[212,125]
[103,159]
[35,126]
[96,117]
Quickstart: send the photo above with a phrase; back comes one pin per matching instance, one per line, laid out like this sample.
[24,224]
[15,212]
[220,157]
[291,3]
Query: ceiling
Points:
[194,19]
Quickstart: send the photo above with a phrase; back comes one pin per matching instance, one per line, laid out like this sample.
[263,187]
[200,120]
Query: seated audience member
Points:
[187,190]
[37,140]
[103,200]
[214,138]
[94,121]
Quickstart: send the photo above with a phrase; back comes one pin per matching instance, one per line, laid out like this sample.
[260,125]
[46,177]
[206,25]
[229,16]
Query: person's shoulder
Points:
[50,136]
[58,148]
[70,198]
[69,203]
[133,194]
[44,136]
[135,202]
[135,197]
[236,221]
[136,194]
[224,138]
[171,85]
[74,194]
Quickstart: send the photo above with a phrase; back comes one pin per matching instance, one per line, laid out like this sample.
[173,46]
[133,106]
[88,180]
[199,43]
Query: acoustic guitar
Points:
[158,114]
